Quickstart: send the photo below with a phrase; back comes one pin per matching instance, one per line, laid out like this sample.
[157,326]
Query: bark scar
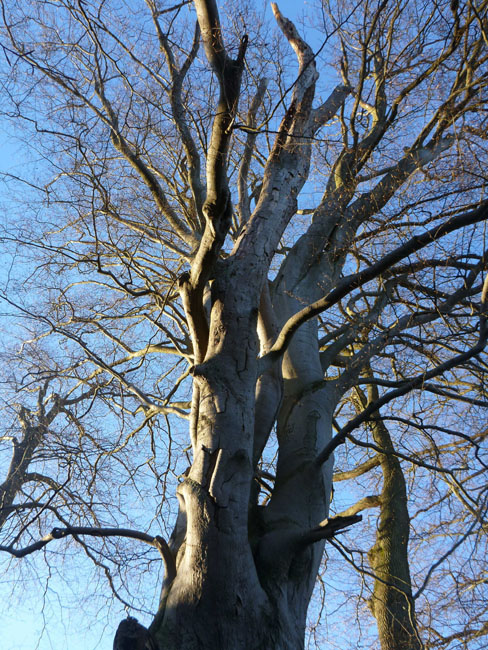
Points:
[214,491]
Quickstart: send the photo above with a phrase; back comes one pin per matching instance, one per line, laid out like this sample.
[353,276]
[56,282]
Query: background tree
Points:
[307,252]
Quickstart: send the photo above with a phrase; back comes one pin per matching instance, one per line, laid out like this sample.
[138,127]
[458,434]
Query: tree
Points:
[309,254]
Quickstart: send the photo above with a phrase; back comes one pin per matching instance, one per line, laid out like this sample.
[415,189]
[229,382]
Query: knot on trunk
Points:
[131,635]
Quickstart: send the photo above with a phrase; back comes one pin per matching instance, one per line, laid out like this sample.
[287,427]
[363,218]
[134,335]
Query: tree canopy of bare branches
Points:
[245,316]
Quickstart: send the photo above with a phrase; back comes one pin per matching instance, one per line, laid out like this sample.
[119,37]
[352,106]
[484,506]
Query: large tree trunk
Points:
[236,589]
[251,580]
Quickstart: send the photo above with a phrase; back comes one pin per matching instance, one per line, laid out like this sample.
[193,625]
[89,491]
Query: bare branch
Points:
[330,528]
[356,280]
[59,533]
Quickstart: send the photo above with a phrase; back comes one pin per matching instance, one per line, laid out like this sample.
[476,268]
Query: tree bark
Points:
[392,603]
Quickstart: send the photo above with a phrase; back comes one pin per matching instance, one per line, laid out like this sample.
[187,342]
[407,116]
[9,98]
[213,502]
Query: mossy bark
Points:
[392,603]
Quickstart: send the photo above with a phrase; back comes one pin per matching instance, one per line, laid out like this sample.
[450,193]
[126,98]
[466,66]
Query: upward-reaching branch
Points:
[228,72]
[287,166]
[217,208]
[177,106]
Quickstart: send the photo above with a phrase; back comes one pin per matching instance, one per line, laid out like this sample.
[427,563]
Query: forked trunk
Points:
[244,576]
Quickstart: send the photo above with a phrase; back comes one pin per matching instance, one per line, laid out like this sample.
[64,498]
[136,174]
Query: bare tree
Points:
[293,265]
